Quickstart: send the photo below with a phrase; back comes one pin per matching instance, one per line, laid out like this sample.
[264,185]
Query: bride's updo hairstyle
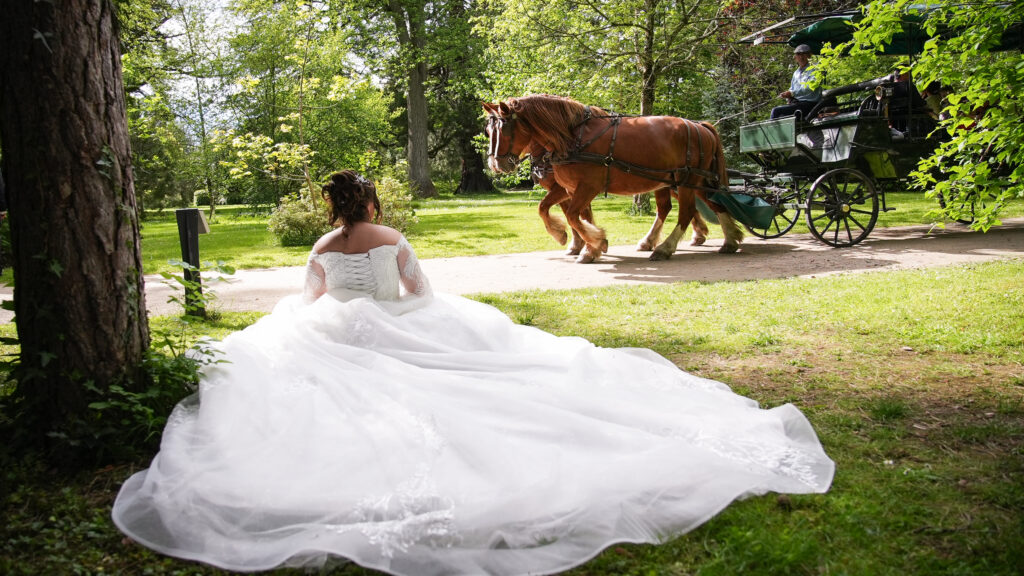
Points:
[349,193]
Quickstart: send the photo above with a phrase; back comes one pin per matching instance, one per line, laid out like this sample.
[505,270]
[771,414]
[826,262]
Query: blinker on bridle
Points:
[498,124]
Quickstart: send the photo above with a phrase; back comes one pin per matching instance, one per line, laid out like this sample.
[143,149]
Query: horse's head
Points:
[508,137]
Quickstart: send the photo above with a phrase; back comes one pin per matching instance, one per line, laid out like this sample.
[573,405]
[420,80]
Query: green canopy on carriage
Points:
[837,27]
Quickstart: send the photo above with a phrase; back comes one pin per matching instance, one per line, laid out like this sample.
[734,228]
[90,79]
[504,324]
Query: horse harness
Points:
[543,165]
[673,177]
[497,122]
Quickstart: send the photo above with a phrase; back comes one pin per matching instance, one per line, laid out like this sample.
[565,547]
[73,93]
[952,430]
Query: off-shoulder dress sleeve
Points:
[316,284]
[413,280]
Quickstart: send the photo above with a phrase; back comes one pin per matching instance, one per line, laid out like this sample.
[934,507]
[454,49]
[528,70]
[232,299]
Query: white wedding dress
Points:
[427,434]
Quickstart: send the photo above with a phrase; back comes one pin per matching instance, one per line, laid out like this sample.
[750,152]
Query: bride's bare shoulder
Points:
[387,235]
[332,241]
[361,238]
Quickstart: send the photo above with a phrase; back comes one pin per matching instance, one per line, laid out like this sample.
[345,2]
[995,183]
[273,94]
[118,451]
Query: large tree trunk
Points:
[473,178]
[416,106]
[79,299]
[409,24]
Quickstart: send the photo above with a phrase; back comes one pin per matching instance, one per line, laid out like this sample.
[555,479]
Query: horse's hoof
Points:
[728,248]
[657,256]
[573,251]
[604,245]
[561,237]
[644,246]
[698,241]
[586,258]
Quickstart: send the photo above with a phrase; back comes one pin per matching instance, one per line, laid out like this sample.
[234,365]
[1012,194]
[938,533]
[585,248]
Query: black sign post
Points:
[191,224]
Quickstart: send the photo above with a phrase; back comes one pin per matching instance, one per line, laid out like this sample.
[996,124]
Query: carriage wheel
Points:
[842,207]
[787,211]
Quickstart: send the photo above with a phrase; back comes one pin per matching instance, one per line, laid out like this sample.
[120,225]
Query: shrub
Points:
[396,203]
[297,222]
[202,198]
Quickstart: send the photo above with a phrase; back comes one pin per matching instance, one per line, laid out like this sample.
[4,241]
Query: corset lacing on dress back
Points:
[351,271]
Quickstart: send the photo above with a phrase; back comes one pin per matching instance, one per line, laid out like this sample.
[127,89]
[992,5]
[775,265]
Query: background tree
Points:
[456,79]
[393,39]
[199,62]
[160,162]
[427,54]
[615,53]
[301,97]
[78,295]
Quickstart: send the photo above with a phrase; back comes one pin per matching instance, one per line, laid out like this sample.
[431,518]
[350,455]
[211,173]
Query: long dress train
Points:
[427,434]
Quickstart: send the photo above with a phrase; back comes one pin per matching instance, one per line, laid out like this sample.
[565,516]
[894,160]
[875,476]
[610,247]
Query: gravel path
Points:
[789,256]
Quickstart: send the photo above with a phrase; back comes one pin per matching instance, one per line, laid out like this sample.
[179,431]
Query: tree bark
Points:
[648,70]
[409,24]
[473,178]
[416,106]
[79,298]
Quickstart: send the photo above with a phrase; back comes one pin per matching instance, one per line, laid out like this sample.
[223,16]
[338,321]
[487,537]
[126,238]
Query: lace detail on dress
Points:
[414,514]
[413,278]
[315,284]
[781,459]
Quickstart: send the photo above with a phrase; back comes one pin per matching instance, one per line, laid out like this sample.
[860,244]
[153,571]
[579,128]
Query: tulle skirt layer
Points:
[448,440]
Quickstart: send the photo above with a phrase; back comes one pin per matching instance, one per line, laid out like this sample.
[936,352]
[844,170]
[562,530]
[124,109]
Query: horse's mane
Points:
[552,118]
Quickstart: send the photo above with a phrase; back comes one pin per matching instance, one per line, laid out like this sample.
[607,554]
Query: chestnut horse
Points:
[592,151]
[543,175]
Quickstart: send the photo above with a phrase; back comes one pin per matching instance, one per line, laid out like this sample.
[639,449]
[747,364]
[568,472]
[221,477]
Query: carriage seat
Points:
[908,113]
[825,107]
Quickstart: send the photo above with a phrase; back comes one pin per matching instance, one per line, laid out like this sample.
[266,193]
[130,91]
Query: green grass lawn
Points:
[452,226]
[914,381]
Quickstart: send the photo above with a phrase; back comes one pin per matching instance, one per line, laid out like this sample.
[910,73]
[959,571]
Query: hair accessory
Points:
[362,181]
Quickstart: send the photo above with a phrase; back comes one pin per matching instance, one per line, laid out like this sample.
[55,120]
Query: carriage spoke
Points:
[855,221]
[831,221]
[846,197]
[786,214]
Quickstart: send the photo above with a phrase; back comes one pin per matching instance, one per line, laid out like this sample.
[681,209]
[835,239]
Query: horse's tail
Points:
[719,163]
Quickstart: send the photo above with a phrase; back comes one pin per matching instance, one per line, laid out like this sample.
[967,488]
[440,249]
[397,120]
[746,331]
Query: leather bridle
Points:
[496,126]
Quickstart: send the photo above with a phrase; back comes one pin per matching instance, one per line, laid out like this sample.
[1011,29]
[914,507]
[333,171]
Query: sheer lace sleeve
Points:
[413,280]
[316,283]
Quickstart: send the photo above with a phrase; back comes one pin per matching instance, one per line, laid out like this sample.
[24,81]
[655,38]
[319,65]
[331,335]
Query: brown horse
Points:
[592,151]
[557,195]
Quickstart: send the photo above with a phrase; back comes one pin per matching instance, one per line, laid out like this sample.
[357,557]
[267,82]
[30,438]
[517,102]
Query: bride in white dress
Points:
[426,434]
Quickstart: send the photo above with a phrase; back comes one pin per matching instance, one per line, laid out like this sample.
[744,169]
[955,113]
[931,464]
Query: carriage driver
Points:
[800,97]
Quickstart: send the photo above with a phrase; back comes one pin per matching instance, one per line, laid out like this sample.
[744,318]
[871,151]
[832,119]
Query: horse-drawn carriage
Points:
[832,164]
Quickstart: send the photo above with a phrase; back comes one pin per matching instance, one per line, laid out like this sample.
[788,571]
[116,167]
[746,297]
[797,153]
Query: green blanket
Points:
[748,210]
